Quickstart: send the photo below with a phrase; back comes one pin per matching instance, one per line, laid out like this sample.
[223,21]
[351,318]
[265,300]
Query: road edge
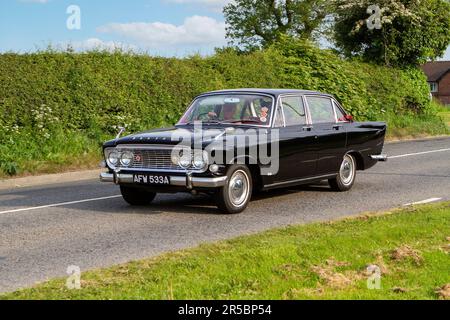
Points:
[49,179]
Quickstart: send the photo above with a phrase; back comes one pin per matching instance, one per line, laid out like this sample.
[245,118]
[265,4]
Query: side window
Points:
[294,111]
[278,118]
[339,113]
[321,109]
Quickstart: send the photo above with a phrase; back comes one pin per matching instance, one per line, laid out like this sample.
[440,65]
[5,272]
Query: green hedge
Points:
[49,97]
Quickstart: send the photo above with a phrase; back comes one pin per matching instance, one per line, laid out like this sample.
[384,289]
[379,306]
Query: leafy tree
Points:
[409,32]
[259,23]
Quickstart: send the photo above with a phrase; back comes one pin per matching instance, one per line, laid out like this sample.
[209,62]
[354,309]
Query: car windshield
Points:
[234,108]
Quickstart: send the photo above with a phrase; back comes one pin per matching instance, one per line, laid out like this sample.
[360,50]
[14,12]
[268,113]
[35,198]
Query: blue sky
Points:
[166,27]
[162,27]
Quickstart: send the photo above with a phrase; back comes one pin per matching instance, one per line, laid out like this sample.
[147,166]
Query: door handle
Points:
[307,128]
[337,127]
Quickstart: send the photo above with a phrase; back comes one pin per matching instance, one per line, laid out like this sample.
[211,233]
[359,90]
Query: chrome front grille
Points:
[153,159]
[157,158]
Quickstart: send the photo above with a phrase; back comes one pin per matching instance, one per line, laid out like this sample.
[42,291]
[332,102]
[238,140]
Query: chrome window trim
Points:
[337,105]
[236,93]
[278,111]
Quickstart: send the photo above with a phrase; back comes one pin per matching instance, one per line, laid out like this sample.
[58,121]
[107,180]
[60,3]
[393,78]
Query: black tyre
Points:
[235,196]
[346,176]
[137,197]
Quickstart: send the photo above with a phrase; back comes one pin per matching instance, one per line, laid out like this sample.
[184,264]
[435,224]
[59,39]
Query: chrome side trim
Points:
[188,181]
[279,184]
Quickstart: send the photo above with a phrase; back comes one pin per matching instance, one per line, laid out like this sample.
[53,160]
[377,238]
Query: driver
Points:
[228,112]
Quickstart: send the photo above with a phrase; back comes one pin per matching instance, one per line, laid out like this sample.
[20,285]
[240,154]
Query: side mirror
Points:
[349,118]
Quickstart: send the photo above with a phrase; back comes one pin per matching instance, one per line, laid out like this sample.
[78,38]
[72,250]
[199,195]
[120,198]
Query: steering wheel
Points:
[207,114]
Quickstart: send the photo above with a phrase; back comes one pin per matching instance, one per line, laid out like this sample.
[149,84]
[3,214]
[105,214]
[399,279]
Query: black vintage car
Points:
[231,143]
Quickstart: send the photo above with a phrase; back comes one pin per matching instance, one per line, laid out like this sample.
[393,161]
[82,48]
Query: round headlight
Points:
[126,159]
[175,159]
[200,161]
[113,158]
[177,153]
[184,157]
[185,162]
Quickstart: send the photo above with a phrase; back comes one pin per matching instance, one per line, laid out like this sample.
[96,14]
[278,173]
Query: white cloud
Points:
[97,44]
[195,31]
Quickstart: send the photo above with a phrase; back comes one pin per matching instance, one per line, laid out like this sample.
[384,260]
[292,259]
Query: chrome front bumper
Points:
[189,182]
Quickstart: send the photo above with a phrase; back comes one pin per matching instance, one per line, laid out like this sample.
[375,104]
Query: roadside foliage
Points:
[56,108]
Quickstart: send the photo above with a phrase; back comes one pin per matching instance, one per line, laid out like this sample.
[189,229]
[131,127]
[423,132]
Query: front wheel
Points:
[235,196]
[137,197]
[346,176]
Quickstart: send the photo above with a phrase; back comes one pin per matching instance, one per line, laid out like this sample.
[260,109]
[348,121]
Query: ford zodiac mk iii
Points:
[232,143]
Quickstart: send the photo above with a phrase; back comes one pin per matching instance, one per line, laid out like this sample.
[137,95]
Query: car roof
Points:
[272,92]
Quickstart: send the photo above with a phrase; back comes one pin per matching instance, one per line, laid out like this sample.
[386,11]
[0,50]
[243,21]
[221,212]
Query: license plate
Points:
[151,179]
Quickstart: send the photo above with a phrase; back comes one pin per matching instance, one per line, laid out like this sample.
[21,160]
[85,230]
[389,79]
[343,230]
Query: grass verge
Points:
[411,247]
[417,126]
[445,115]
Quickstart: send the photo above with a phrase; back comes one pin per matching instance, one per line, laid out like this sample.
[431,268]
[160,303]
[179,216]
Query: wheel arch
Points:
[358,158]
[253,166]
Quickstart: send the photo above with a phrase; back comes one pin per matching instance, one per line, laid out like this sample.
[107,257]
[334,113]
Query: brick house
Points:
[438,74]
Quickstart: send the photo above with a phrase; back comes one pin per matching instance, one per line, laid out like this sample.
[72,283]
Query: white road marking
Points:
[58,204]
[418,153]
[422,202]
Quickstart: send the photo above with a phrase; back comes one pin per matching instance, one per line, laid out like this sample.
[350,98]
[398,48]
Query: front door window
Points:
[294,111]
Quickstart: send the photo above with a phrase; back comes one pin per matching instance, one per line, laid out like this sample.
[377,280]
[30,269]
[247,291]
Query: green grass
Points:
[416,126]
[445,115]
[317,261]
[24,155]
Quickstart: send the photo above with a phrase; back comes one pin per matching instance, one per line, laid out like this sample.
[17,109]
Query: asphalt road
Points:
[39,240]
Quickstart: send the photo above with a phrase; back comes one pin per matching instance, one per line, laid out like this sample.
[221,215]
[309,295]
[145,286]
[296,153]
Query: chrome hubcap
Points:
[347,171]
[238,188]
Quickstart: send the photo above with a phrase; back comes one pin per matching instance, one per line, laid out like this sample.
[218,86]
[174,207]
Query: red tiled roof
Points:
[436,70]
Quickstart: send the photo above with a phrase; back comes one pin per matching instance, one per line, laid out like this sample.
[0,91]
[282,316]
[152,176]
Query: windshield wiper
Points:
[242,121]
[190,123]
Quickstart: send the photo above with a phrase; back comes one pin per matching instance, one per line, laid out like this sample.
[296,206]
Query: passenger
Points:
[228,111]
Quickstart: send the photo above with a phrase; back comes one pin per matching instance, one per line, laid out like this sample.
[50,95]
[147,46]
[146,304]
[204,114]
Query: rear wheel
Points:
[137,197]
[235,196]
[346,176]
